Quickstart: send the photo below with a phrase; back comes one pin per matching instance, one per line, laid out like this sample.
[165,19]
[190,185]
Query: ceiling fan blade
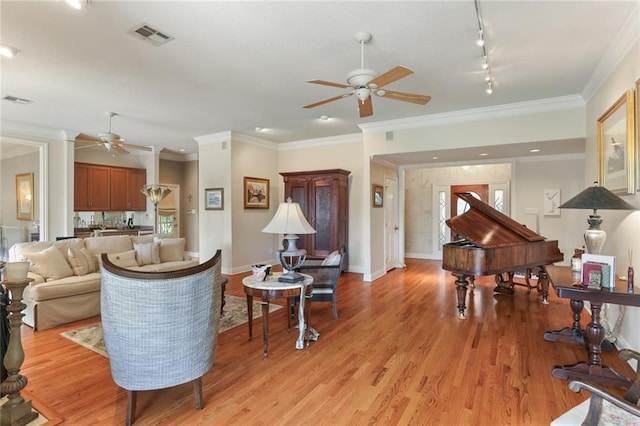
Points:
[390,76]
[119,149]
[326,101]
[365,108]
[329,83]
[138,147]
[83,137]
[407,97]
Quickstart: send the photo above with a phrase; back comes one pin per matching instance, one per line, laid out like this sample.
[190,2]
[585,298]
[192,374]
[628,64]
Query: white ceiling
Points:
[239,65]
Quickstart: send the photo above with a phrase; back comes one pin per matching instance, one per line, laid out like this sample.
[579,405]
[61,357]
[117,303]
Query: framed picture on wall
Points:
[551,202]
[616,146]
[377,195]
[256,193]
[24,196]
[637,159]
[214,199]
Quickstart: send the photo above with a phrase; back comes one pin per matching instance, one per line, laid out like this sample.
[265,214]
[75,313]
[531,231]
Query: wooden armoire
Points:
[323,196]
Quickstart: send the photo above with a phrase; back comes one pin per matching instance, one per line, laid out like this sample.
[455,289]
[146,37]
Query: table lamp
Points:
[596,197]
[155,193]
[290,221]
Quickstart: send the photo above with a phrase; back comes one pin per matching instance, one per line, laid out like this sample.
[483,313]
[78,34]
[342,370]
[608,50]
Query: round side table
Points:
[271,288]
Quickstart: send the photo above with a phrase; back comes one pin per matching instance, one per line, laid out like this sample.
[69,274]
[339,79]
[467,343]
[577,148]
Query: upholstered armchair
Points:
[603,407]
[326,276]
[160,329]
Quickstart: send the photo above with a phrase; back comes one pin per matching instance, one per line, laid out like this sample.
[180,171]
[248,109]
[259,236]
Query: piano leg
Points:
[543,282]
[461,289]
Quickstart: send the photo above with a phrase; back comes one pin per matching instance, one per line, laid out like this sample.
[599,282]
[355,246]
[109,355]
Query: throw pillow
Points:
[82,262]
[148,253]
[332,258]
[50,264]
[125,259]
[171,249]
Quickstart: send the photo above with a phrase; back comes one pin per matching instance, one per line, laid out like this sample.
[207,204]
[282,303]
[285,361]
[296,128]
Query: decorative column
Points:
[16,410]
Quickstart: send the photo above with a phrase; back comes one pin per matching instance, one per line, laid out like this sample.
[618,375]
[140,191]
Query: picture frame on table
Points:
[256,193]
[214,199]
[617,146]
[601,266]
[24,196]
[377,195]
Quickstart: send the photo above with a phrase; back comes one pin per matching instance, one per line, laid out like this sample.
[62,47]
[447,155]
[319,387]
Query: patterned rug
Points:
[235,314]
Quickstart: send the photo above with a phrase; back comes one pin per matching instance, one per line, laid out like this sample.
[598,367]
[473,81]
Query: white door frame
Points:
[391,226]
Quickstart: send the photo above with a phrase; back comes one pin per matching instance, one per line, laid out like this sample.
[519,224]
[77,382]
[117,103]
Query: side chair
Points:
[160,329]
[603,407]
[326,276]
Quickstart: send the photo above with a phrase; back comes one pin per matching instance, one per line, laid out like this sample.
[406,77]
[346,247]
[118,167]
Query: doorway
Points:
[169,213]
[391,222]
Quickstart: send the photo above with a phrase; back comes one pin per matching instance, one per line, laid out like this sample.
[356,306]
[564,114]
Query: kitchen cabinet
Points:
[323,196]
[92,187]
[125,189]
[105,188]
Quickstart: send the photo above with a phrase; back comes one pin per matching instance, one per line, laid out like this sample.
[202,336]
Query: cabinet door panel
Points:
[81,195]
[100,188]
[119,189]
[322,203]
[137,200]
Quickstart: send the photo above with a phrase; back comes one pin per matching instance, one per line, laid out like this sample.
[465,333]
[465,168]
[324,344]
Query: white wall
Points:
[623,228]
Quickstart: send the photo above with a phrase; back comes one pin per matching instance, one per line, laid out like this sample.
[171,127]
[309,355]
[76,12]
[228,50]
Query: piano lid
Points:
[487,227]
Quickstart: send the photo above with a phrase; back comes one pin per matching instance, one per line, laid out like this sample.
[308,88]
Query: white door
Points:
[169,213]
[391,222]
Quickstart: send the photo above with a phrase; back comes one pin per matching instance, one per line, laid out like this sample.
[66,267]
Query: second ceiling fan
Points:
[364,82]
[108,140]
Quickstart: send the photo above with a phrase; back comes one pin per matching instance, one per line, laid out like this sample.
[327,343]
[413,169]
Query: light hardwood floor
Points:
[398,354]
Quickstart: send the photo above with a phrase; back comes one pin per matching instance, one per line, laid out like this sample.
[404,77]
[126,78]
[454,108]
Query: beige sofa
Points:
[66,273]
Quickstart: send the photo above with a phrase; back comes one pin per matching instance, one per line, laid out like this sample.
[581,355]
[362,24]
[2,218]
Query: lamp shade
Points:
[597,197]
[155,193]
[289,220]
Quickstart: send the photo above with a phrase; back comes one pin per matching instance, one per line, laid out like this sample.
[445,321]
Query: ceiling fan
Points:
[108,140]
[365,82]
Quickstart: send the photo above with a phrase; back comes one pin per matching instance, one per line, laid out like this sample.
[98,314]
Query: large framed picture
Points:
[256,193]
[24,196]
[214,199]
[616,146]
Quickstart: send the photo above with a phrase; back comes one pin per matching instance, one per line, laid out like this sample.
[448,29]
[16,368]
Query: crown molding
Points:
[252,140]
[23,131]
[321,142]
[213,138]
[476,114]
[626,38]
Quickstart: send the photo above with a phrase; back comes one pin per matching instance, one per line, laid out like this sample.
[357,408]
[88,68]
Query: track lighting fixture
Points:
[481,43]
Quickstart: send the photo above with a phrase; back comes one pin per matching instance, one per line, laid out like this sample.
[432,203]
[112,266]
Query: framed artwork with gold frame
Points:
[617,146]
[256,193]
[377,195]
[24,196]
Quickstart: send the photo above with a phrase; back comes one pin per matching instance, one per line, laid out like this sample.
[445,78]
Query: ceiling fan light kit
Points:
[363,82]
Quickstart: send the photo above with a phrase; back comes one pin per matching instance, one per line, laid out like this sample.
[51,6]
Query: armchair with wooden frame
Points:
[160,328]
[604,407]
[326,276]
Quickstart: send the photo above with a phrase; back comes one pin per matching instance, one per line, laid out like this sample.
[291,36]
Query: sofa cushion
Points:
[64,287]
[147,253]
[110,244]
[49,263]
[82,262]
[126,259]
[142,239]
[18,252]
[167,266]
[65,245]
[171,249]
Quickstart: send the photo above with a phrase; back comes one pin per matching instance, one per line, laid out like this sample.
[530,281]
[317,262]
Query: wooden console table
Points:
[567,284]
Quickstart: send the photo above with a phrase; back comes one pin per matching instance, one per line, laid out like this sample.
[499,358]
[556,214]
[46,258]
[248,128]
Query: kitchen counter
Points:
[136,230]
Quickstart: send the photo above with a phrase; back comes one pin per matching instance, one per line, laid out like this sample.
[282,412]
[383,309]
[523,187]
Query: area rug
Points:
[235,314]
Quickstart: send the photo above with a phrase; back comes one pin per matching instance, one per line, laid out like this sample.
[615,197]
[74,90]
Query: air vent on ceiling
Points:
[17,100]
[150,34]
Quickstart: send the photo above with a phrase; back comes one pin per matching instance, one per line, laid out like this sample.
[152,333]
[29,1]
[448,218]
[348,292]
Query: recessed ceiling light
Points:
[483,154]
[534,150]
[259,129]
[434,157]
[8,51]
[182,150]
[324,117]
[74,4]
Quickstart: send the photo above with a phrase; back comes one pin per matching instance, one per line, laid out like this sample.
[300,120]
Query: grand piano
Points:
[492,243]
